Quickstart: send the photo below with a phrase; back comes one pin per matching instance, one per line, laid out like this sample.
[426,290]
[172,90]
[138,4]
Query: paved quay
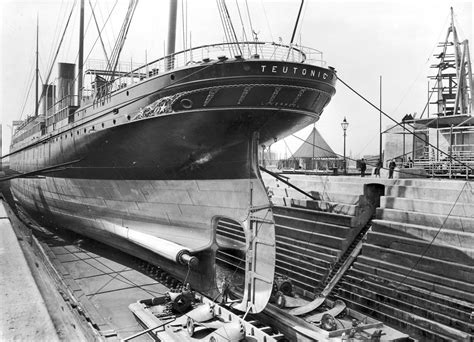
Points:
[23,312]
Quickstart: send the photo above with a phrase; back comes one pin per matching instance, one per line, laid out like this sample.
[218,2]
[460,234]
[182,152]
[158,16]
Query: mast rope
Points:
[95,42]
[305,7]
[56,33]
[229,32]
[106,34]
[85,32]
[248,15]
[65,52]
[99,32]
[114,58]
[57,51]
[28,92]
[243,27]
[266,20]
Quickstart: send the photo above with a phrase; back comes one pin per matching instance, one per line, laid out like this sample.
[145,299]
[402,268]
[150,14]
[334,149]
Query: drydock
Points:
[350,245]
[121,220]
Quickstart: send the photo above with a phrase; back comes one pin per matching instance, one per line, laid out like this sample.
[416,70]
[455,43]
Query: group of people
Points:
[391,167]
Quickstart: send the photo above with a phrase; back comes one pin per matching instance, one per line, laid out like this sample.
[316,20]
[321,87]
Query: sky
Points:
[362,40]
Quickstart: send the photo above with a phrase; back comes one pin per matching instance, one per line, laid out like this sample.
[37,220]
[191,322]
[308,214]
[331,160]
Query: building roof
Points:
[321,148]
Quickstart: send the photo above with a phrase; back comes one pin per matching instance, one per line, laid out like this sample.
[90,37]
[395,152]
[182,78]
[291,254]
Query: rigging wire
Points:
[57,32]
[404,128]
[231,37]
[59,46]
[95,42]
[103,27]
[244,33]
[184,26]
[28,93]
[305,7]
[98,30]
[249,17]
[266,20]
[114,58]
[85,32]
[106,33]
[65,52]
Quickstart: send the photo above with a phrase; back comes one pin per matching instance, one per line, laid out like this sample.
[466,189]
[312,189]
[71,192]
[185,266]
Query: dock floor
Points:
[89,284]
[23,314]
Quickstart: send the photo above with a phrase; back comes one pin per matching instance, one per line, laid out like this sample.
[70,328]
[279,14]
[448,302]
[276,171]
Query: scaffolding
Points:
[449,129]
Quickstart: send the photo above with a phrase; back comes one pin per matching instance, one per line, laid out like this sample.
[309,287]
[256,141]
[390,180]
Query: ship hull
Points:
[158,171]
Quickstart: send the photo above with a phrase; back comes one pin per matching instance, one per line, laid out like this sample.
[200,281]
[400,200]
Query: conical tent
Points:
[315,147]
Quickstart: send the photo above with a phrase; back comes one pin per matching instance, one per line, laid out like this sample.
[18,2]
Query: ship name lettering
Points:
[284,69]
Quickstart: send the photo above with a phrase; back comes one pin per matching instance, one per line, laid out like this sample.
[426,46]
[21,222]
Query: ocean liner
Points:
[151,159]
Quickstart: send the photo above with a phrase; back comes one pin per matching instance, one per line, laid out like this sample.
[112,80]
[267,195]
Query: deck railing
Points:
[214,52]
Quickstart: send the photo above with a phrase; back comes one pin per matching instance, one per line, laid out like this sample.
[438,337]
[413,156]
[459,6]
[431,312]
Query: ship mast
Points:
[81,54]
[171,33]
[37,69]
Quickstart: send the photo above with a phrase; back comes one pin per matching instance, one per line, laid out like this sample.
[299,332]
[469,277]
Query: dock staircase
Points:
[313,234]
[415,271]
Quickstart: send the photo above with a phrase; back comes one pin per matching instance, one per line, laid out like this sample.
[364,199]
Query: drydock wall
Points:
[415,270]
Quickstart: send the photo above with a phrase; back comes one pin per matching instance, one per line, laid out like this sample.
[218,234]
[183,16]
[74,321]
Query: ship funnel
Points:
[49,90]
[66,84]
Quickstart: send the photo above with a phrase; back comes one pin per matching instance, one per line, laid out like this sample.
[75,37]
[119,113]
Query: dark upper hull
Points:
[195,116]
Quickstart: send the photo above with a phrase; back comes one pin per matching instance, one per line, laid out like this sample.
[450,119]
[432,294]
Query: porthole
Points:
[172,77]
[93,128]
[128,117]
[186,103]
[114,121]
[85,130]
[127,92]
[103,125]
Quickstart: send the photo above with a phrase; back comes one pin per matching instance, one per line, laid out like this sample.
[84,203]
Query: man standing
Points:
[363,167]
[391,167]
[377,168]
